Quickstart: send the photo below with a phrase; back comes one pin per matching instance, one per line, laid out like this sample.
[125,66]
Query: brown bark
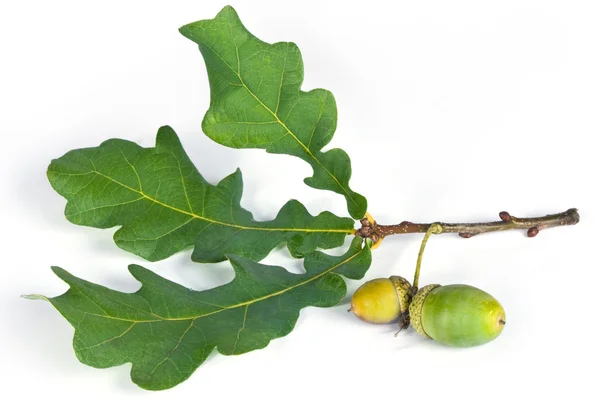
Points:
[533,225]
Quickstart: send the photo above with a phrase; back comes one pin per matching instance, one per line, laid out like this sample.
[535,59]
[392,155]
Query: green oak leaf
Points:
[164,205]
[166,330]
[256,102]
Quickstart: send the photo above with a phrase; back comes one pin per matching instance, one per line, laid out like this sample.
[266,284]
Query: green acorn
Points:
[457,315]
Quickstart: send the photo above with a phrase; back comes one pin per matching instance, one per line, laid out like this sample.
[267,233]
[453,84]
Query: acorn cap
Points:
[404,290]
[416,306]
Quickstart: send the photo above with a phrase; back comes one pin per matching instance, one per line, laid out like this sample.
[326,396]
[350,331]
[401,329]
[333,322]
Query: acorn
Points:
[454,315]
[382,300]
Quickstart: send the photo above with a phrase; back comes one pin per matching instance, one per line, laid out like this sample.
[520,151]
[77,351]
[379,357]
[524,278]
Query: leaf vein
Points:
[196,216]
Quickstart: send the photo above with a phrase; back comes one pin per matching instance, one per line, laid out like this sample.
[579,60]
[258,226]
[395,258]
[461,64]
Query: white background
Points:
[450,111]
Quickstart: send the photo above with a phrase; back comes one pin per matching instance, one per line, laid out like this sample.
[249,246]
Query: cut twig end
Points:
[573,214]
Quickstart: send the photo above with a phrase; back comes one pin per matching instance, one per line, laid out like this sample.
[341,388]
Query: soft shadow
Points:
[408,339]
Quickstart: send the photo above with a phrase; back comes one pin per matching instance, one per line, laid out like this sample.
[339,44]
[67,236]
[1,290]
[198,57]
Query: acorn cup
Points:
[454,315]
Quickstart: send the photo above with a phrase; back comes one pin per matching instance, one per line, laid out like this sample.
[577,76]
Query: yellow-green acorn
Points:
[381,300]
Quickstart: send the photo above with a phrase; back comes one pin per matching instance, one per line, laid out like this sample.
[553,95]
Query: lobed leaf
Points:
[256,102]
[166,330]
[164,205]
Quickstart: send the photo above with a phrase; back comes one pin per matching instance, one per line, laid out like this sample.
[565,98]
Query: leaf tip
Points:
[166,135]
[183,30]
[63,275]
[166,129]
[49,170]
[235,181]
[188,30]
[135,270]
[238,177]
[228,9]
[35,297]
